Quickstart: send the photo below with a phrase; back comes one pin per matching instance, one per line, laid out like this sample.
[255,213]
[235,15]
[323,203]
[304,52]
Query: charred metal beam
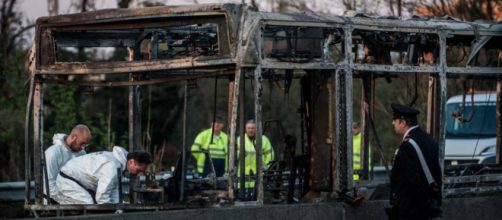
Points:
[346,101]
[300,23]
[242,142]
[441,97]
[134,128]
[148,13]
[139,23]
[340,172]
[271,63]
[333,121]
[433,107]
[164,79]
[37,140]
[184,142]
[398,68]
[259,135]
[476,71]
[136,66]
[27,150]
[393,29]
[230,101]
[231,155]
[233,127]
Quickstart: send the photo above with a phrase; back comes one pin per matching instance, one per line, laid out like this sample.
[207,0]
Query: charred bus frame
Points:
[251,42]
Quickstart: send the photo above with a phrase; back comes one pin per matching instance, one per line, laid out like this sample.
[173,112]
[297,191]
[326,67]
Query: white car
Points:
[471,129]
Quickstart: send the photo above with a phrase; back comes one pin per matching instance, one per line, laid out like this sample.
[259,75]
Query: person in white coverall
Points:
[64,148]
[93,178]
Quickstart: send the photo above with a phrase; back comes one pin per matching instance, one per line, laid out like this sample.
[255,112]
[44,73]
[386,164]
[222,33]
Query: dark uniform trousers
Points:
[410,195]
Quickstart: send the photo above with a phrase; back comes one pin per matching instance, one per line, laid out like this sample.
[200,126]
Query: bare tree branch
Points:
[84,6]
[53,7]
[391,6]
[12,40]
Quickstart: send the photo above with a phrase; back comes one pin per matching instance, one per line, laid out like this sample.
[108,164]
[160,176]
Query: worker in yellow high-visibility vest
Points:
[216,147]
[356,146]
[250,152]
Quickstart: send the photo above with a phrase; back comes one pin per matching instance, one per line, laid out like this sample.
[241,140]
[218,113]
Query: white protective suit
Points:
[95,171]
[56,157]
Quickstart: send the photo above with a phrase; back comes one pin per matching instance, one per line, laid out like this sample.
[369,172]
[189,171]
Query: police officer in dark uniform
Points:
[411,193]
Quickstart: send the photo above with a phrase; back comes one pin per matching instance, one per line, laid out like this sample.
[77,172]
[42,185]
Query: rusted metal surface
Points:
[133,14]
[233,128]
[27,150]
[127,67]
[346,116]
[441,98]
[402,69]
[432,105]
[37,140]
[259,136]
[271,64]
[249,27]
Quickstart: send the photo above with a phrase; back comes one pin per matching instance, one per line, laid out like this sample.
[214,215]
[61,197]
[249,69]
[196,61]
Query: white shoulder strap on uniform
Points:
[425,168]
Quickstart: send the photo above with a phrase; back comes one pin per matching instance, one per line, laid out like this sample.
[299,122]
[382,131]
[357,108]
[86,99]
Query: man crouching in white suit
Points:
[93,178]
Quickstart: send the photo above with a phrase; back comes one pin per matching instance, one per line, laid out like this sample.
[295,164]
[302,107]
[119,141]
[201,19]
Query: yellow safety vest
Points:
[356,160]
[250,158]
[217,150]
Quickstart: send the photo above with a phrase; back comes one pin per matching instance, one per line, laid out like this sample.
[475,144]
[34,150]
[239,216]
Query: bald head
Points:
[79,138]
[81,129]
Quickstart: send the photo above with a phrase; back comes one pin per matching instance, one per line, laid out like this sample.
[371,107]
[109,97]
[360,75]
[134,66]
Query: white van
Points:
[471,139]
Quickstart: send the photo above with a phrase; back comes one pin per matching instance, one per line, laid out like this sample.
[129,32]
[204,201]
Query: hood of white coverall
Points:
[58,139]
[121,155]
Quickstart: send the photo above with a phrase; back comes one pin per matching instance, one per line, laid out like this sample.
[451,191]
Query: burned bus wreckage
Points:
[324,54]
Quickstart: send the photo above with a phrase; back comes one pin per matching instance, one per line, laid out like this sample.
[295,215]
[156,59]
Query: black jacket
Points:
[409,186]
